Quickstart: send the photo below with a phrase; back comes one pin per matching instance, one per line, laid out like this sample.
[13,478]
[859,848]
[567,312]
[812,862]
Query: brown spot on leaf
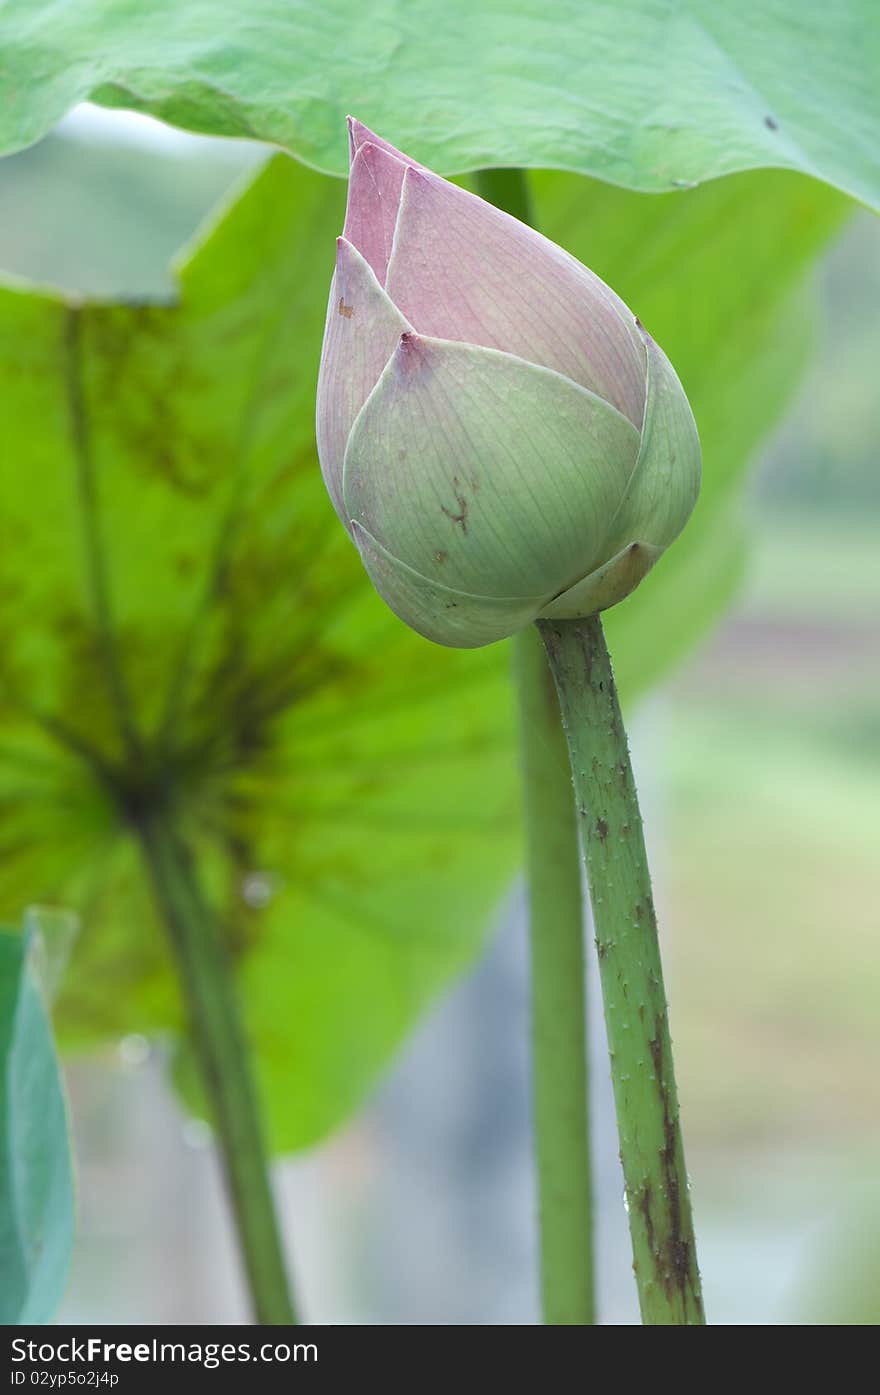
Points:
[440,556]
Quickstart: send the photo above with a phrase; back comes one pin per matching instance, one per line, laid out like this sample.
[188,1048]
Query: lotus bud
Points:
[500,436]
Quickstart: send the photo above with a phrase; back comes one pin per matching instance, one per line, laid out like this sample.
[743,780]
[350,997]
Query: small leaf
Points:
[36,1183]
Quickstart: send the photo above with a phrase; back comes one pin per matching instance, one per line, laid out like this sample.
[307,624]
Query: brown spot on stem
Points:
[345,310]
[674,1259]
[645,1199]
[601,830]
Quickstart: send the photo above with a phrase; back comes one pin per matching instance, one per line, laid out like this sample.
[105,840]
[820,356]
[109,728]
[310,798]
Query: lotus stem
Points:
[651,1149]
[223,1055]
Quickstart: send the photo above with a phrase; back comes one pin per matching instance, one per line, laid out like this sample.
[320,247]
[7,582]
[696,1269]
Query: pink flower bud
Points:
[499,435]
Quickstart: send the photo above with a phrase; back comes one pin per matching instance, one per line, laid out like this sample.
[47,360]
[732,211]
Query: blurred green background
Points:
[760,762]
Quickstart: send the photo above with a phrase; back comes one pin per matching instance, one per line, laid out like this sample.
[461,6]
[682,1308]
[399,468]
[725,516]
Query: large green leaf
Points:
[36,1183]
[650,94]
[168,560]
[173,579]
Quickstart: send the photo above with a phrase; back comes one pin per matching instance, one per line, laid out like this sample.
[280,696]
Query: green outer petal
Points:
[453,618]
[665,483]
[484,473]
[605,586]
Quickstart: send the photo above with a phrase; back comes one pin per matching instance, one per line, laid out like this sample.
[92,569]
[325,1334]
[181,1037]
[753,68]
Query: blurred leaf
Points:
[169,564]
[103,217]
[183,622]
[838,1280]
[652,94]
[36,1183]
[716,275]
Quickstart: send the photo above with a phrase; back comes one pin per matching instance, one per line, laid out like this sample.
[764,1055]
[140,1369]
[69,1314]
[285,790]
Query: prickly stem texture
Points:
[651,1150]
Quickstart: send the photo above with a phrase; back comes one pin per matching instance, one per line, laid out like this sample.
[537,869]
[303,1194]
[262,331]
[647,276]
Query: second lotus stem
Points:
[558,997]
